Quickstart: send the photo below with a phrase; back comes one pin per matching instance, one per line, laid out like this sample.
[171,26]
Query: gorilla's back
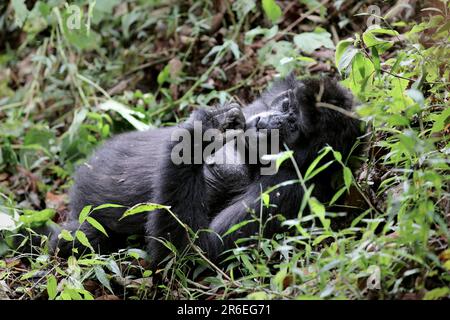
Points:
[122,172]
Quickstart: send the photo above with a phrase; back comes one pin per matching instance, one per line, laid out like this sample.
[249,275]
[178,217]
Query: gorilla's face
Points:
[283,114]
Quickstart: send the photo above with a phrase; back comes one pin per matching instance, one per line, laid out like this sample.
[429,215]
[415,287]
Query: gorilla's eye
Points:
[285,105]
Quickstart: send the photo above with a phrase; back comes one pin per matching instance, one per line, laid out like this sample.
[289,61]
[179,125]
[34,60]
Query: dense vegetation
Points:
[67,82]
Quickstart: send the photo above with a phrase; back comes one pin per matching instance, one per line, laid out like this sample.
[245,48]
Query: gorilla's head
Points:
[308,114]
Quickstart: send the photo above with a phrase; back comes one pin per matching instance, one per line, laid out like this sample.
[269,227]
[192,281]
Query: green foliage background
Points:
[142,64]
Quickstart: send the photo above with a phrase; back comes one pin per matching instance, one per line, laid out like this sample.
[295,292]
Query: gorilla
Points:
[208,196]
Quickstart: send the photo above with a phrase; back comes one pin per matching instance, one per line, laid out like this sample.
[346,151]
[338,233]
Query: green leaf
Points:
[310,41]
[66,235]
[310,172]
[7,222]
[20,11]
[272,10]
[266,199]
[248,265]
[259,295]
[126,113]
[51,287]
[337,195]
[84,214]
[102,277]
[237,226]
[440,120]
[319,210]
[164,75]
[96,225]
[32,218]
[243,7]
[347,177]
[345,53]
[371,40]
[140,208]
[437,293]
[278,279]
[107,205]
[81,236]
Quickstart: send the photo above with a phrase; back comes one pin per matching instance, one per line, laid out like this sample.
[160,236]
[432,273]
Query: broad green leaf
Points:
[371,40]
[272,10]
[310,41]
[437,293]
[345,52]
[126,113]
[66,235]
[32,218]
[51,287]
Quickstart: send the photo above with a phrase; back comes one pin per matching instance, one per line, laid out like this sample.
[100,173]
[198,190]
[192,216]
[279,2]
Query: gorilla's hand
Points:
[223,118]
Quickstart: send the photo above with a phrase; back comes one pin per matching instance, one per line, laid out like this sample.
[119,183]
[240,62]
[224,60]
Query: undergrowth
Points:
[142,64]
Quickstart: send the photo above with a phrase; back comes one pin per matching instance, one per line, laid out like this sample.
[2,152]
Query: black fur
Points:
[136,167]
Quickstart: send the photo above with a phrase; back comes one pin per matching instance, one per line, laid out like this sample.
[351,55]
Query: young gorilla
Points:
[136,167]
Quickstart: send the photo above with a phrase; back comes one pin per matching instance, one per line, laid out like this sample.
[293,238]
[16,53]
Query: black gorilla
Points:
[136,167]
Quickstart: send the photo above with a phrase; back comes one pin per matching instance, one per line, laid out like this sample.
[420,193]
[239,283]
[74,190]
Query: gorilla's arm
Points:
[284,200]
[183,187]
